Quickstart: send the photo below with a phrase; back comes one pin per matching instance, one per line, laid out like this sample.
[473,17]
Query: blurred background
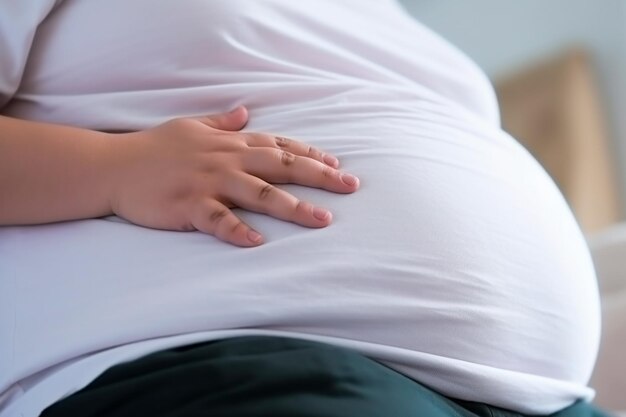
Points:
[559,68]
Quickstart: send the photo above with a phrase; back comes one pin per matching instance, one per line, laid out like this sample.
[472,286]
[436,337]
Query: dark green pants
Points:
[266,377]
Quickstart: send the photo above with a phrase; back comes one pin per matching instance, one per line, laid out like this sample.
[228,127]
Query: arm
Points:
[52,173]
[185,174]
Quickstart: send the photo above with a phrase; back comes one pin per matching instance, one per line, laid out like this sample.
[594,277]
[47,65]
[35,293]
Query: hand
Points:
[187,173]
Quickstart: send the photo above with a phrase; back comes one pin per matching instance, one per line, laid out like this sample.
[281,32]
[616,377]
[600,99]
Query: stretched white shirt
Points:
[458,262]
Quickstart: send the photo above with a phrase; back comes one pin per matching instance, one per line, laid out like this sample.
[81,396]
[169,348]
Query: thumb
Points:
[234,120]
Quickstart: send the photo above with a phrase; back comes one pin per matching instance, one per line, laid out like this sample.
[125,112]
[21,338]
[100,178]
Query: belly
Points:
[457,245]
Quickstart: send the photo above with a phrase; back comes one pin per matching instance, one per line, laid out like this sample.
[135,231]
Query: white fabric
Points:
[18,21]
[457,262]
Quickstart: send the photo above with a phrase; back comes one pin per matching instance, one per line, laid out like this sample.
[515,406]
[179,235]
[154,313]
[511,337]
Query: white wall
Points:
[501,35]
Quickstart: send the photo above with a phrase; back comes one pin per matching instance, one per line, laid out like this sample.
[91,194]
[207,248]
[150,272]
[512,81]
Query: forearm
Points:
[53,173]
[185,174]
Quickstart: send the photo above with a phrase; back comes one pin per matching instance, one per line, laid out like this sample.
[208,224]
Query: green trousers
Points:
[267,377]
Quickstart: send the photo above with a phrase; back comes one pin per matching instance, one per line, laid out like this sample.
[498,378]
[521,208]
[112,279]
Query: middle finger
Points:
[282,167]
[290,145]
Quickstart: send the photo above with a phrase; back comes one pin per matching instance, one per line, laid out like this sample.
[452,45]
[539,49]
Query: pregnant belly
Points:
[457,246]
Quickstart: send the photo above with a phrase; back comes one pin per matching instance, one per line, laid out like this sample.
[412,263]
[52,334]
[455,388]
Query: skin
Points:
[184,175]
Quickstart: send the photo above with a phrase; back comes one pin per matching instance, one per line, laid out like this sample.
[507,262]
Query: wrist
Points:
[121,154]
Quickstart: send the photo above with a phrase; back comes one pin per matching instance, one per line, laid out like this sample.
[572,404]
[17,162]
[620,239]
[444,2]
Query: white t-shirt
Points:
[457,262]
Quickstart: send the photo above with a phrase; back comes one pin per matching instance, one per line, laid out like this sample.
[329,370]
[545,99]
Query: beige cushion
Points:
[609,379]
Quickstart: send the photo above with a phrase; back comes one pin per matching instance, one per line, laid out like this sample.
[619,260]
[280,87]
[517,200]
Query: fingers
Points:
[277,166]
[234,120]
[237,118]
[214,218]
[254,194]
[290,145]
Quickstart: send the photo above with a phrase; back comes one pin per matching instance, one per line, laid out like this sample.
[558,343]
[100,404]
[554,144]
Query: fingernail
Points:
[320,213]
[235,110]
[254,237]
[349,179]
[330,160]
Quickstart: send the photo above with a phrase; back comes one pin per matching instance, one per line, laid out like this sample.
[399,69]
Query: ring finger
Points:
[254,194]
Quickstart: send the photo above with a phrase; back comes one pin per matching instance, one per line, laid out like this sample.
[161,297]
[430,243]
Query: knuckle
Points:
[287,158]
[254,137]
[239,140]
[182,123]
[217,216]
[299,206]
[237,226]
[177,121]
[265,191]
[281,141]
[187,226]
[328,172]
